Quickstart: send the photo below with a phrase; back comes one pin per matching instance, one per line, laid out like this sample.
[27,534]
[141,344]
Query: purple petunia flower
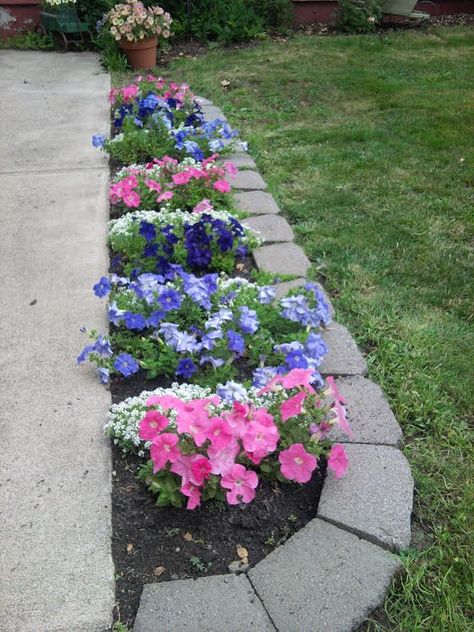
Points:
[266,294]
[103,287]
[248,321]
[147,230]
[232,392]
[134,321]
[126,364]
[170,299]
[186,368]
[236,343]
[103,374]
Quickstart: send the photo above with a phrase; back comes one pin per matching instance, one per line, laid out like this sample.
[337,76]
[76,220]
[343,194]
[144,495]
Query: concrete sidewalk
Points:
[55,505]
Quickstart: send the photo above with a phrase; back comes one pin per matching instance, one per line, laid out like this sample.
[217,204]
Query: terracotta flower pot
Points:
[141,54]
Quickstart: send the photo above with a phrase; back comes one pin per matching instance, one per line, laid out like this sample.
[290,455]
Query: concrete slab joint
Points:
[334,571]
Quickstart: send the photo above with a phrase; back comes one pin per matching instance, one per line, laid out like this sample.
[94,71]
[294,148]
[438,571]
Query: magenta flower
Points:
[293,406]
[342,419]
[241,484]
[151,424]
[131,199]
[153,185]
[166,195]
[333,391]
[165,402]
[182,178]
[230,168]
[203,207]
[200,469]
[222,185]
[337,460]
[260,438]
[193,493]
[223,460]
[219,433]
[298,377]
[164,449]
[296,464]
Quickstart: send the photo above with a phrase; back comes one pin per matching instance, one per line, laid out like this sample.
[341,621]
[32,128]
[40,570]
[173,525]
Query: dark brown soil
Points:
[147,539]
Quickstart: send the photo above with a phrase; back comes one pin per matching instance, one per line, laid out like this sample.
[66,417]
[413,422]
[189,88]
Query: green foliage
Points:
[29,41]
[358,16]
[111,56]
[138,145]
[91,11]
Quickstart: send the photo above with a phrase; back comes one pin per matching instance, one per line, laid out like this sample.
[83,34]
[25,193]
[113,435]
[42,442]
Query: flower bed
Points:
[218,402]
[152,119]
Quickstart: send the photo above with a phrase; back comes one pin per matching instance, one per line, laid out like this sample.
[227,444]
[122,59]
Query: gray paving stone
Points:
[375,497]
[256,202]
[272,228]
[211,604]
[212,112]
[203,101]
[249,181]
[284,258]
[323,579]
[240,159]
[369,413]
[343,358]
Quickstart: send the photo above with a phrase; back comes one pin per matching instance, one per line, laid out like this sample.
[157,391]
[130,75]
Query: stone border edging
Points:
[332,573]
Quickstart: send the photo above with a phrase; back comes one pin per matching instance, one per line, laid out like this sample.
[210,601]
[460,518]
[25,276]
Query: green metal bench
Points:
[65,25]
[403,8]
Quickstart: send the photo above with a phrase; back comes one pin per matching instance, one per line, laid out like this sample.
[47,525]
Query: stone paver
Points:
[323,579]
[249,181]
[211,604]
[203,101]
[343,358]
[240,159]
[375,497]
[369,413]
[284,258]
[256,202]
[273,228]
[55,505]
[212,112]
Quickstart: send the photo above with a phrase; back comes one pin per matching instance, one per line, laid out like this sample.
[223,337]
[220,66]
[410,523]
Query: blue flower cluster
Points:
[230,315]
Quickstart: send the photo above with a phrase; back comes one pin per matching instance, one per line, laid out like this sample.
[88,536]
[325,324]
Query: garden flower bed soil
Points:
[156,544]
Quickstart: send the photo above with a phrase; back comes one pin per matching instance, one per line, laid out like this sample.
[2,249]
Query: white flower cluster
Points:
[123,419]
[58,3]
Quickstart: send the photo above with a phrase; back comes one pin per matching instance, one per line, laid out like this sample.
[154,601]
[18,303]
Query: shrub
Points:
[147,241]
[188,185]
[173,323]
[358,16]
[209,448]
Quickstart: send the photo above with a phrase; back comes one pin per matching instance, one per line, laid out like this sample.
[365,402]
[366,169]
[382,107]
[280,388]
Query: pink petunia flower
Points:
[164,449]
[260,439]
[219,433]
[293,406]
[230,168]
[223,460]
[151,424]
[131,199]
[298,377]
[153,185]
[333,391]
[338,461]
[241,484]
[203,207]
[342,419]
[166,195]
[193,493]
[183,177]
[222,185]
[296,464]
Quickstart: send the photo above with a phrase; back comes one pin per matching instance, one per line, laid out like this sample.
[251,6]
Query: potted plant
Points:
[137,29]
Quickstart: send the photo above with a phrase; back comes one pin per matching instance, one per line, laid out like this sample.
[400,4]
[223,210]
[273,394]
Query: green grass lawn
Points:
[367,144]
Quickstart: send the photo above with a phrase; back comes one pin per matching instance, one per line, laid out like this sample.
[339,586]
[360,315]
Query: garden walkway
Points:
[55,507]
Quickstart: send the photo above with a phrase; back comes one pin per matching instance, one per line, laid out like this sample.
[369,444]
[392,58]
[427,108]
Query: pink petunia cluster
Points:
[143,85]
[190,441]
[158,182]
